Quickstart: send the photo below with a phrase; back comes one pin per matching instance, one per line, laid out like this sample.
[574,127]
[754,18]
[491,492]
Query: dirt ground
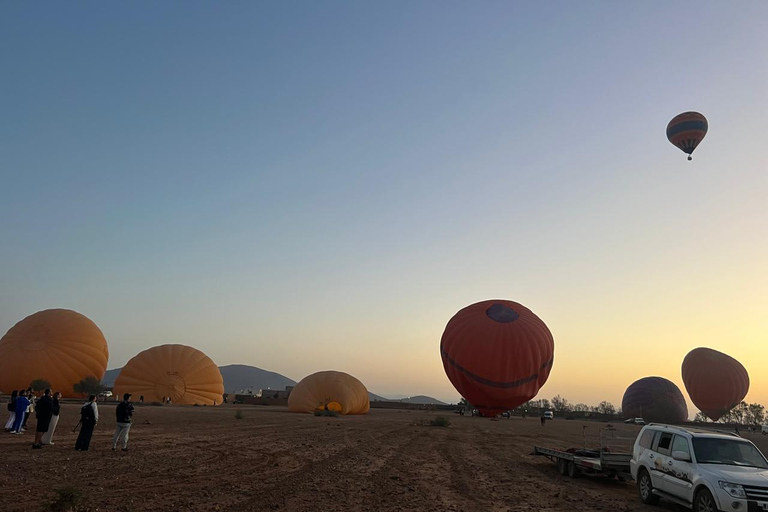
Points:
[204,459]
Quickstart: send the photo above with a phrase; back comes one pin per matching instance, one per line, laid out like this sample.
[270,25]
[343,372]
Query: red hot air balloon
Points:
[716,382]
[497,354]
[687,130]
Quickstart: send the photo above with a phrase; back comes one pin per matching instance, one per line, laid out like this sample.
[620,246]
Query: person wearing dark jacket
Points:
[124,413]
[48,437]
[44,412]
[89,417]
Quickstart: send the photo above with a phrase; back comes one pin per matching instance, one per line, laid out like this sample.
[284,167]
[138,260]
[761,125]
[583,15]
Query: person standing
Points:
[43,412]
[21,408]
[89,417]
[141,399]
[124,416]
[30,408]
[11,410]
[48,437]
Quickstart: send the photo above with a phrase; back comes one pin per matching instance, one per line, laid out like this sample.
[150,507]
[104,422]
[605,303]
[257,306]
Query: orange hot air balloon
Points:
[60,346]
[182,373]
[329,390]
[716,382]
[497,354]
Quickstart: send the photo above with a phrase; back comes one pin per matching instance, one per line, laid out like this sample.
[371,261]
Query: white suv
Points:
[700,469]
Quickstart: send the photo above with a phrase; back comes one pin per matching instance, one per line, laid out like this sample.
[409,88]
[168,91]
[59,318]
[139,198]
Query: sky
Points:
[303,186]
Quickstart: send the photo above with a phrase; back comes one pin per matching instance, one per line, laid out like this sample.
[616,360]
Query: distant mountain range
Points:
[239,377]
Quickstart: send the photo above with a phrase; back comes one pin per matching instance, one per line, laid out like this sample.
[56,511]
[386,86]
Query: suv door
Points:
[657,456]
[679,473]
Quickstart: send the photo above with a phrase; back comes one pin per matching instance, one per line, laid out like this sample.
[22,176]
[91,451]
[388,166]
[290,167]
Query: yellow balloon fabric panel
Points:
[183,373]
[60,346]
[337,391]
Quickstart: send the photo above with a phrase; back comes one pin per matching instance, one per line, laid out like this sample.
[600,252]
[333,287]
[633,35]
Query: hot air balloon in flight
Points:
[181,373]
[497,354]
[329,391]
[687,130]
[60,346]
[716,382]
[654,399]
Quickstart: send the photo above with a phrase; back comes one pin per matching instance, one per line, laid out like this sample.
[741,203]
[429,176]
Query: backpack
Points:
[124,411]
[86,413]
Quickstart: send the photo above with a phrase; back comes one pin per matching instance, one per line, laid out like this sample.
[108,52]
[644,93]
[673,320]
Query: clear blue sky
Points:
[304,186]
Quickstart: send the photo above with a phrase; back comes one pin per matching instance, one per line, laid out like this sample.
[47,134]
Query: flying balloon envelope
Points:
[654,399]
[60,346]
[181,373]
[329,390]
[716,382]
[687,130]
[497,354]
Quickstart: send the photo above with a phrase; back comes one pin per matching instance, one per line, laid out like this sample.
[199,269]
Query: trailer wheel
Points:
[562,466]
[573,471]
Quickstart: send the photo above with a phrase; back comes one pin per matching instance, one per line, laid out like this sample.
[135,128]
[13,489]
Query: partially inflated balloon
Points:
[60,346]
[181,373]
[654,399]
[716,382]
[329,390]
[687,130]
[497,354]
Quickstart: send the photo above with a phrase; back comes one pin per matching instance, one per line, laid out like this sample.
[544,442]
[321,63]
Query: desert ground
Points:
[205,459]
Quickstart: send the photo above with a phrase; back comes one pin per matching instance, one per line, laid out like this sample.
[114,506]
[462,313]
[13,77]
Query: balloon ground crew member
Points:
[124,416]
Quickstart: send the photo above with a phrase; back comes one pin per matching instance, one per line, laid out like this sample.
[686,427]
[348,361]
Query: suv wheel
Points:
[645,489]
[704,502]
[573,471]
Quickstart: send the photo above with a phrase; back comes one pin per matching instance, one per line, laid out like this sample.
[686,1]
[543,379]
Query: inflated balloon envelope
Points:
[60,346]
[184,374]
[497,354]
[329,390]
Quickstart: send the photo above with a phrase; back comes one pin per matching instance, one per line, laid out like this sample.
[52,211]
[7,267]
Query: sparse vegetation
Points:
[440,421]
[88,386]
[65,499]
[40,384]
[239,415]
[326,413]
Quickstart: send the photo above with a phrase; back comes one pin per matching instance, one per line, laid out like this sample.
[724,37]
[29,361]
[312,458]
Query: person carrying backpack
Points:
[89,417]
[124,416]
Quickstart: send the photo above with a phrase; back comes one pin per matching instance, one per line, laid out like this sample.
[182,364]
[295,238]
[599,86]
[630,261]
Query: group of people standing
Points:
[47,408]
[21,406]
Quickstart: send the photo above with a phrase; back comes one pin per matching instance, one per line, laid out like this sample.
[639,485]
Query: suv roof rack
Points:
[695,430]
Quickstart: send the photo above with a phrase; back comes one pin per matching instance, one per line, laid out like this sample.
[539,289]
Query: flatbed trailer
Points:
[591,462]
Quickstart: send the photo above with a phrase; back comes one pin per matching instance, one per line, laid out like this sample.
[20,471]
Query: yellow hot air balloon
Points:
[329,390]
[182,373]
[60,346]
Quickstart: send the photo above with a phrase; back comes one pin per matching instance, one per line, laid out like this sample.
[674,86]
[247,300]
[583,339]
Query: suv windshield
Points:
[727,451]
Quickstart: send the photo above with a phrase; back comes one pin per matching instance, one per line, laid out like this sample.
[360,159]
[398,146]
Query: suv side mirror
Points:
[681,456]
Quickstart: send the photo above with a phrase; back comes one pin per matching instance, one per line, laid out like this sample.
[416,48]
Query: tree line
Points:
[742,414]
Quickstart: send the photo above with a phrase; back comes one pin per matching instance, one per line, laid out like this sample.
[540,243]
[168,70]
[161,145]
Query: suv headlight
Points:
[734,490]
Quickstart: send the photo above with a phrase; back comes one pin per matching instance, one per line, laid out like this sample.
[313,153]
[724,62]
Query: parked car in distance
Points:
[106,394]
[702,469]
[764,429]
[635,421]
[549,415]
